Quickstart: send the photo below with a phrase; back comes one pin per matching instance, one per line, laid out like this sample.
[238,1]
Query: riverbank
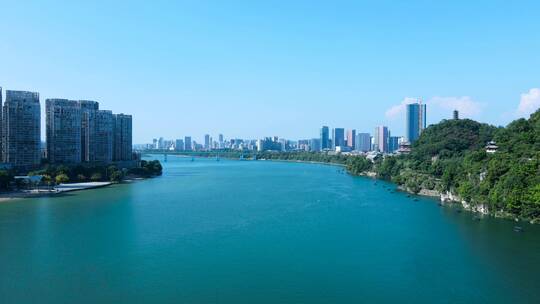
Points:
[88,177]
[303,162]
[59,189]
[451,199]
[264,159]
[80,186]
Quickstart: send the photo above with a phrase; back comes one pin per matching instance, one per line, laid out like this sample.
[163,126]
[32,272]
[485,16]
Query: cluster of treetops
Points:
[450,157]
[57,174]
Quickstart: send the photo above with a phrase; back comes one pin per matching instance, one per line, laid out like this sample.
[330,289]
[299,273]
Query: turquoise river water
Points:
[259,232]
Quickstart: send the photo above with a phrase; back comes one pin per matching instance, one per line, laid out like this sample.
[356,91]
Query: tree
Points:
[96,177]
[62,179]
[116,176]
[5,179]
[47,180]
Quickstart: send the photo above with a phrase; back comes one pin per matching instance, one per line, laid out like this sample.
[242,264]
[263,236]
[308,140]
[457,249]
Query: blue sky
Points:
[249,69]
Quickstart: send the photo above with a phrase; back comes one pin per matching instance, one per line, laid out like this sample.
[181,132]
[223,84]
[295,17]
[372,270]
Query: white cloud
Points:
[529,102]
[464,104]
[439,108]
[398,110]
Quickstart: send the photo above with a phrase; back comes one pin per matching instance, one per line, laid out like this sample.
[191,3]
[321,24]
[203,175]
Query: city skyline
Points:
[227,70]
[341,139]
[117,128]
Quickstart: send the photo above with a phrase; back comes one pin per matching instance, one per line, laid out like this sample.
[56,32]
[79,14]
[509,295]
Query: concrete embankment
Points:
[80,186]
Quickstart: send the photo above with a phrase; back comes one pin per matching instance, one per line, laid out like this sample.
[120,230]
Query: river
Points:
[229,231]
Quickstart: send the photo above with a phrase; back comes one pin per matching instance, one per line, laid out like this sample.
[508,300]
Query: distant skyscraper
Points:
[338,137]
[207,142]
[325,138]
[122,137]
[363,142]
[456,115]
[220,141]
[179,145]
[416,121]
[381,139]
[315,144]
[88,129]
[21,129]
[63,130]
[187,143]
[104,136]
[283,144]
[393,144]
[351,138]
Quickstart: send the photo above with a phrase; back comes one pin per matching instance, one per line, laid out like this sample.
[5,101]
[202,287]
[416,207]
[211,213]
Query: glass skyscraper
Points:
[393,144]
[187,143]
[338,137]
[416,121]
[325,138]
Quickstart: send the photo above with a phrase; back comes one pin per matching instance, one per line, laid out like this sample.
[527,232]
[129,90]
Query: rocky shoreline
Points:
[448,198]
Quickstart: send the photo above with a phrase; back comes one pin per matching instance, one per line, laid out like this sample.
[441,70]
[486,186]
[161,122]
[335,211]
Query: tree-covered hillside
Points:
[451,138]
[450,156]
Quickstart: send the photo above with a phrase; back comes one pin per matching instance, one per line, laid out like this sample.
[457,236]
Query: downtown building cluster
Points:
[76,132]
[339,140]
[380,141]
[188,144]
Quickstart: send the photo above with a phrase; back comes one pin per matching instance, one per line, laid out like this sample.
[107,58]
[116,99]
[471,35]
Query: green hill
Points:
[450,157]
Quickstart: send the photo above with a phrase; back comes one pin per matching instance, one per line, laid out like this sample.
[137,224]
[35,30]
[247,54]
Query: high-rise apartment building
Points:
[187,143]
[363,142]
[21,129]
[104,136]
[325,138]
[455,115]
[122,137]
[381,139]
[88,129]
[63,131]
[338,137]
[351,138]
[415,121]
[1,127]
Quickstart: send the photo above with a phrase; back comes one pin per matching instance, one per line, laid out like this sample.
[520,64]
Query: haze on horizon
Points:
[249,70]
